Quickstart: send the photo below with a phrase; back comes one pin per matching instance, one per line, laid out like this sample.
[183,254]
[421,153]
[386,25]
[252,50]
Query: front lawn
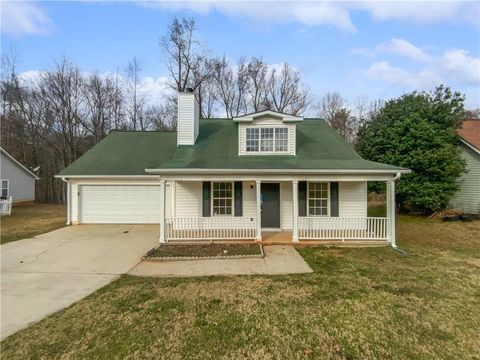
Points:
[30,220]
[359,303]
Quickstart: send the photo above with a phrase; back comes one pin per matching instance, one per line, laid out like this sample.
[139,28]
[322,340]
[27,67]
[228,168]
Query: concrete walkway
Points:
[278,260]
[49,272]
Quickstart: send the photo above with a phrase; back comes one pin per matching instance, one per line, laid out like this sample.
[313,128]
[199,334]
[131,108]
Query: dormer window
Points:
[266,139]
[267,133]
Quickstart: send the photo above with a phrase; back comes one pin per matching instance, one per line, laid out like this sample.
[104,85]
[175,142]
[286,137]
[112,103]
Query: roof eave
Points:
[470,145]
[275,171]
[23,167]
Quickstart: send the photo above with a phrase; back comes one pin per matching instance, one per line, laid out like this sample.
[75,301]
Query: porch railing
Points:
[210,228]
[6,206]
[342,228]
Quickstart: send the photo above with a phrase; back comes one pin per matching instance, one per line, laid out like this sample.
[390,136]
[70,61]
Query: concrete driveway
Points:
[49,272]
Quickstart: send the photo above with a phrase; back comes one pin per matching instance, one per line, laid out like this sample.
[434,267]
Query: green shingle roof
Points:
[130,153]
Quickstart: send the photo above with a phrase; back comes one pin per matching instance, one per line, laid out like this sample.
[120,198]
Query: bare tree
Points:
[187,58]
[135,98]
[232,87]
[286,93]
[257,75]
[101,101]
[334,110]
[161,117]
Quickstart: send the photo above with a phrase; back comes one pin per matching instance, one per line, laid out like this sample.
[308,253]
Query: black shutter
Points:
[302,198]
[238,198]
[206,199]
[334,199]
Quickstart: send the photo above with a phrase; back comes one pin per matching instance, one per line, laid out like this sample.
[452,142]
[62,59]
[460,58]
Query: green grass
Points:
[206,250]
[30,220]
[359,303]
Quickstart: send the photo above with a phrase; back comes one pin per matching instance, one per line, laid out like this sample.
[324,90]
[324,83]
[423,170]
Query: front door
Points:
[270,205]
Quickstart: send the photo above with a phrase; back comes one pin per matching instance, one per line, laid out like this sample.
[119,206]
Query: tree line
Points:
[50,120]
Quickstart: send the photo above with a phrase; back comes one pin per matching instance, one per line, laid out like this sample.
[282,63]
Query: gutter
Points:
[273,171]
[394,245]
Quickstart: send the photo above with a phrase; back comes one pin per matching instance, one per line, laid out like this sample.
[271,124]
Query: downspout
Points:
[394,244]
[69,211]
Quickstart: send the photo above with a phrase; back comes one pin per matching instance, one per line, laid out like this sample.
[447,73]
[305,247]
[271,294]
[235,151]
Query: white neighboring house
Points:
[18,182]
[467,198]
[232,179]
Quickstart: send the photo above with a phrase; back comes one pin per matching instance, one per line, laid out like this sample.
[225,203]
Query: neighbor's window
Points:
[222,198]
[318,199]
[4,188]
[267,140]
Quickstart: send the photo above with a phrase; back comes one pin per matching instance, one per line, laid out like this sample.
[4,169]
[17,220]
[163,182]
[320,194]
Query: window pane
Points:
[222,198]
[267,145]
[252,133]
[267,133]
[252,145]
[318,199]
[281,133]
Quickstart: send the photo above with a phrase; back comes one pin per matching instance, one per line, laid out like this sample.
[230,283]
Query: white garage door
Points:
[121,204]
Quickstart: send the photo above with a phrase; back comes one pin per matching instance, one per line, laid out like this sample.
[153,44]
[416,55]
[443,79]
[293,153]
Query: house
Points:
[232,179]
[18,182]
[467,198]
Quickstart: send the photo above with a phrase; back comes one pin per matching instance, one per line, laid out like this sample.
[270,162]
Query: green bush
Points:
[418,131]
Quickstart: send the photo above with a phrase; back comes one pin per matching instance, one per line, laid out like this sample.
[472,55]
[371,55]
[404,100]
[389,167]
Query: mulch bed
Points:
[200,251]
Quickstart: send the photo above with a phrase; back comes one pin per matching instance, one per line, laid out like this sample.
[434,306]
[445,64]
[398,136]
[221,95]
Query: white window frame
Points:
[328,198]
[8,188]
[212,198]
[272,152]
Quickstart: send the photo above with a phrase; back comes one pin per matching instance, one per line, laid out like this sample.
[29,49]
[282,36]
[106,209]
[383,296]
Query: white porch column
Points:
[259,210]
[391,211]
[162,211]
[295,210]
[69,203]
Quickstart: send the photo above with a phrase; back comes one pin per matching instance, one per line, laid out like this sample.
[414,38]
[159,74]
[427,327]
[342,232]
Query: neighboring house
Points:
[18,182]
[467,198]
[221,179]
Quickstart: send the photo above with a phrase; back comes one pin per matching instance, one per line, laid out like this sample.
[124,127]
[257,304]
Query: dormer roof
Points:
[284,117]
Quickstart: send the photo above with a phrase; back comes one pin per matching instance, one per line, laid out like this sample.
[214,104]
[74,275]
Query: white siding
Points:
[187,119]
[249,200]
[467,198]
[286,208]
[352,199]
[21,185]
[188,199]
[266,122]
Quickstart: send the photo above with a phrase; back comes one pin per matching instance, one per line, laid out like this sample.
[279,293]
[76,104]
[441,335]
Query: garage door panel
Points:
[121,204]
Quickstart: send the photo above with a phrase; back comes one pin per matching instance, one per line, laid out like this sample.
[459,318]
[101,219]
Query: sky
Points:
[360,49]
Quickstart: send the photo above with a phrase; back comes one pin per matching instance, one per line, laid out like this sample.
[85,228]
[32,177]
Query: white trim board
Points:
[273,171]
[470,146]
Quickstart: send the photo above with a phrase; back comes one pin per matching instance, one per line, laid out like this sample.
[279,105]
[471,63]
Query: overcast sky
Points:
[368,49]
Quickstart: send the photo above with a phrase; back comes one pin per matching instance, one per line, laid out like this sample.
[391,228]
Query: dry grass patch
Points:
[359,303]
[31,220]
